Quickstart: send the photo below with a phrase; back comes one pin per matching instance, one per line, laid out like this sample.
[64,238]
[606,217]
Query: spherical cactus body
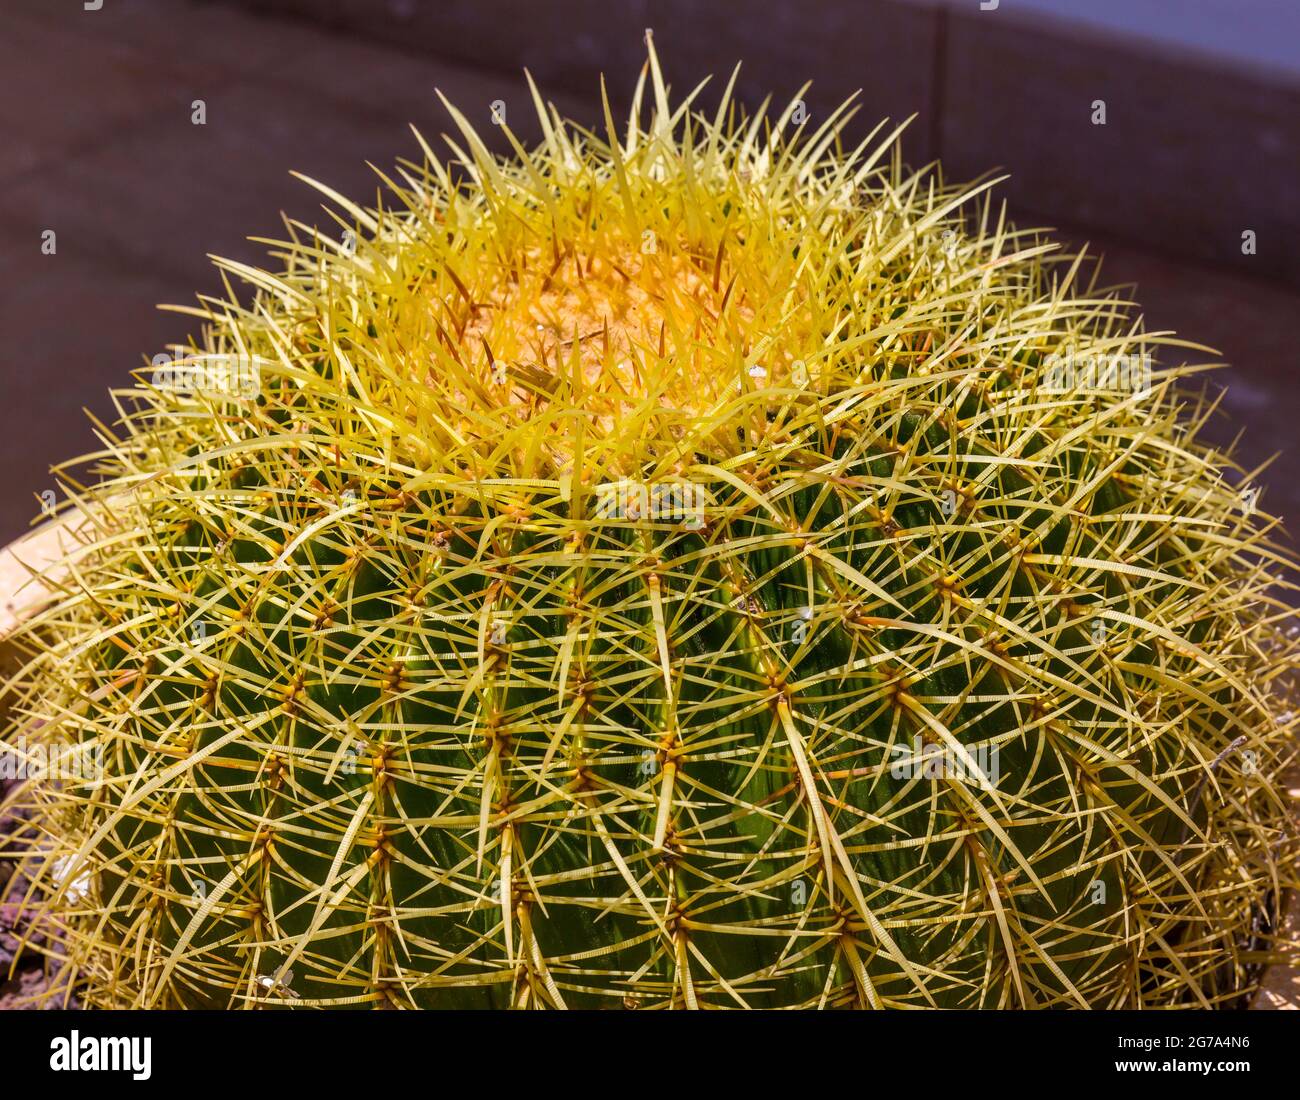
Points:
[693,566]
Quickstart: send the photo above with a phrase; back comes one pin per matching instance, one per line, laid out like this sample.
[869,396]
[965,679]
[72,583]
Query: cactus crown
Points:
[670,568]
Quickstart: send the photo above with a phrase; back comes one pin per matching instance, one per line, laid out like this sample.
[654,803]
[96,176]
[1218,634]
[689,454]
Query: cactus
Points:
[701,566]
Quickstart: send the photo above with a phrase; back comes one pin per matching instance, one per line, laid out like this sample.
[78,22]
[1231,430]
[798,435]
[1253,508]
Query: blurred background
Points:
[1189,188]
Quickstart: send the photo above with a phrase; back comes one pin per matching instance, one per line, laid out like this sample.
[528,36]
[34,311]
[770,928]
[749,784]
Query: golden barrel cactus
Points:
[695,566]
